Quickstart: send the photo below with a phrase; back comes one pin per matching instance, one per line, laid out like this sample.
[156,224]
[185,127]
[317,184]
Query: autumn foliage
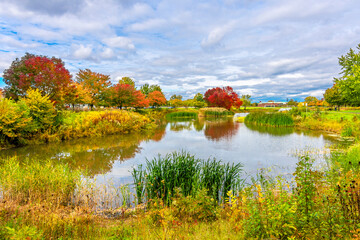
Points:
[125,95]
[156,98]
[222,97]
[96,84]
[49,75]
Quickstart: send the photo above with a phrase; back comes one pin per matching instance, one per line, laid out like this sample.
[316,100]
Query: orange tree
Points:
[97,85]
[222,97]
[156,98]
[49,75]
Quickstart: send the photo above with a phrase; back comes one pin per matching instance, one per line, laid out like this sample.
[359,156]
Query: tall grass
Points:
[270,119]
[36,182]
[214,112]
[180,170]
[174,115]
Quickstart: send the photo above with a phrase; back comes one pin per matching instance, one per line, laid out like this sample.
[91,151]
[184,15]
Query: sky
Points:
[270,49]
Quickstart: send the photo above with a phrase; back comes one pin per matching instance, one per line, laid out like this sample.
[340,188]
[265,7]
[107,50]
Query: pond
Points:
[112,157]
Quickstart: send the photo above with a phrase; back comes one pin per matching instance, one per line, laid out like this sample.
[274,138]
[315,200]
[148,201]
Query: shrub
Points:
[15,122]
[41,109]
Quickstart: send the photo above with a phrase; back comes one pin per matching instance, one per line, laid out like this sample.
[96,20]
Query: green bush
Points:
[41,109]
[15,122]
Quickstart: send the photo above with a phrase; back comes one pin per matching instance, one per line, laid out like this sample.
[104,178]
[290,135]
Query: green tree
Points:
[154,88]
[127,80]
[349,82]
[146,89]
[246,100]
[179,97]
[333,96]
[199,97]
[310,100]
[292,102]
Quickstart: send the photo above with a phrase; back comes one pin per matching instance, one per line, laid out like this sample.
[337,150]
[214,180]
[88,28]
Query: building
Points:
[271,104]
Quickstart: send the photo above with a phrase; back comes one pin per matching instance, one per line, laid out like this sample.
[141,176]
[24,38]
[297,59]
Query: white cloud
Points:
[82,52]
[147,25]
[107,53]
[217,34]
[120,42]
[15,43]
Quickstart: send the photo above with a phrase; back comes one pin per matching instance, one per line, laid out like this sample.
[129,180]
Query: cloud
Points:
[147,25]
[54,7]
[268,49]
[82,52]
[217,34]
[120,42]
[107,53]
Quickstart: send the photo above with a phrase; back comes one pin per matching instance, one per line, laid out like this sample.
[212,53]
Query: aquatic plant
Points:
[174,115]
[270,119]
[163,175]
[214,112]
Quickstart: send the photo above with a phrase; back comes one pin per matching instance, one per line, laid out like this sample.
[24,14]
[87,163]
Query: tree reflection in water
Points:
[217,129]
[97,154]
[275,131]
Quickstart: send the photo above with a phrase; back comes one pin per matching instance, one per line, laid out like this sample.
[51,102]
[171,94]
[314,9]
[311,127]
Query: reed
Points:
[36,182]
[214,112]
[162,176]
[174,115]
[270,119]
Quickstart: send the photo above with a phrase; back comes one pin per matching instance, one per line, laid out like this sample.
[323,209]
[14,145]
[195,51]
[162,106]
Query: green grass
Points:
[174,115]
[214,112]
[270,119]
[163,175]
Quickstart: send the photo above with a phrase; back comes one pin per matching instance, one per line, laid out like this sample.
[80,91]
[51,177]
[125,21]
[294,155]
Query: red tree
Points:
[222,97]
[123,95]
[156,98]
[49,75]
[140,100]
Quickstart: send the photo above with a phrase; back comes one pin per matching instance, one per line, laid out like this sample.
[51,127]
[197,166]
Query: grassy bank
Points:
[344,123]
[51,201]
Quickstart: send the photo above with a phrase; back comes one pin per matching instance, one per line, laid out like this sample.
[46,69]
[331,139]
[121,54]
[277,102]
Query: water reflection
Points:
[254,146]
[275,131]
[179,125]
[96,155]
[216,129]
